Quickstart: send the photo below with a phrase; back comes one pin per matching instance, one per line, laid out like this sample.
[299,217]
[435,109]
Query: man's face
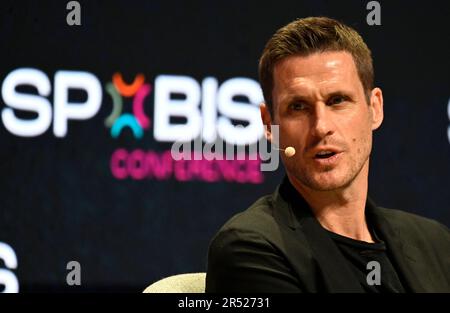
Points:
[321,108]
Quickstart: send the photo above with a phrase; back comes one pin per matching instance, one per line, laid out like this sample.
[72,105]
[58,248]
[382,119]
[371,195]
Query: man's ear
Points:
[267,120]
[376,106]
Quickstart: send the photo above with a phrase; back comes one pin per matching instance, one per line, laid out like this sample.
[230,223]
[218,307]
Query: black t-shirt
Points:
[359,254]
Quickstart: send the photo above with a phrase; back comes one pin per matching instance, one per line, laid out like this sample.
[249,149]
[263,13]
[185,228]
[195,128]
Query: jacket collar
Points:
[405,256]
[292,210]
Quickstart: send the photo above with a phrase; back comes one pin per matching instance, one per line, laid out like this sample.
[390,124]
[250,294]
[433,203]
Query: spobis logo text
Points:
[225,114]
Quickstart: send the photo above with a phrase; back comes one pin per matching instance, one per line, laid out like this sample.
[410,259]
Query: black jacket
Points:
[277,245]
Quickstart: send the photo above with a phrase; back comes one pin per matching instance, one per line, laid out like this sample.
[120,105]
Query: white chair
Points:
[181,283]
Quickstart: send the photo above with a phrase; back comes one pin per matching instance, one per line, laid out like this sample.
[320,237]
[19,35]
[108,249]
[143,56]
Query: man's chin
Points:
[325,182]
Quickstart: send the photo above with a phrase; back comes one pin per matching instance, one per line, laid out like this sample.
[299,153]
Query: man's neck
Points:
[341,211]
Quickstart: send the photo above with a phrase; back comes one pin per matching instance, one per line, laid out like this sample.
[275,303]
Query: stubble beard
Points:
[333,177]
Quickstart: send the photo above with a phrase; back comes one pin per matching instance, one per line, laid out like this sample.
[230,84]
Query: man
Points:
[319,231]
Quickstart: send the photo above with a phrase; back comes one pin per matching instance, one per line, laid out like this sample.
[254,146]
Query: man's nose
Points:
[322,121]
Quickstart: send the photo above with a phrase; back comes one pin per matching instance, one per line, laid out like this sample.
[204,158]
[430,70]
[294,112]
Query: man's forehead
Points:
[322,67]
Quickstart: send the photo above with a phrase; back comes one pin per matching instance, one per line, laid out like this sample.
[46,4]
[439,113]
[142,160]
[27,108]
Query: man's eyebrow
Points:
[296,98]
[338,93]
[301,98]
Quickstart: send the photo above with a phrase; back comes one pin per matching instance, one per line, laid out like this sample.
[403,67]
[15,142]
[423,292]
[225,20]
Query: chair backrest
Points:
[181,283]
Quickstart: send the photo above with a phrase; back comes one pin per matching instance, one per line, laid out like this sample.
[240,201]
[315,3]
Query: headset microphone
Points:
[288,152]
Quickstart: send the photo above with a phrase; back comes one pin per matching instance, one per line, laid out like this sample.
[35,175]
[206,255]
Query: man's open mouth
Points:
[325,154]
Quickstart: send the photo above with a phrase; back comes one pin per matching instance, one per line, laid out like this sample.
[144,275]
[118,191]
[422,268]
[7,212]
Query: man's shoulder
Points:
[257,222]
[410,223]
[257,217]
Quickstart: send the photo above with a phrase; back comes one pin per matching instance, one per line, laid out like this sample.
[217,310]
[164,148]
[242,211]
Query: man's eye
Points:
[296,106]
[336,100]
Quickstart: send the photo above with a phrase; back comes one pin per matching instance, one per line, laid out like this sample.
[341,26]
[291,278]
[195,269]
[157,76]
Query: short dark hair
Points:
[310,35]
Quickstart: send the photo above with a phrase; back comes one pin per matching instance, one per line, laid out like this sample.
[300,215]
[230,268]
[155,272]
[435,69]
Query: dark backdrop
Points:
[58,199]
